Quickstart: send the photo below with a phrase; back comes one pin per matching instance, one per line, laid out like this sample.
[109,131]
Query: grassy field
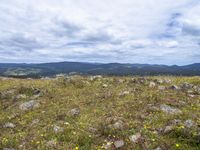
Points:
[95,113]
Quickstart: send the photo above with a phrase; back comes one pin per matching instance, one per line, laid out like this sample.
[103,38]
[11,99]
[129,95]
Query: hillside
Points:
[51,69]
[96,113]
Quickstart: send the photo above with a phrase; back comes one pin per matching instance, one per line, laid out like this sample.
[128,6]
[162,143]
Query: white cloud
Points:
[153,31]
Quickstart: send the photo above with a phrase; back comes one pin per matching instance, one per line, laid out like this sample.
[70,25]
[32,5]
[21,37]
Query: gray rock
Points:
[51,144]
[119,143]
[152,84]
[174,87]
[168,129]
[162,88]
[122,94]
[9,125]
[189,123]
[158,148]
[135,138]
[92,130]
[29,105]
[58,129]
[75,111]
[169,109]
[118,125]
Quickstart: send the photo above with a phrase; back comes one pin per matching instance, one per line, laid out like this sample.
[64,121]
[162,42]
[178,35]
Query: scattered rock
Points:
[174,87]
[161,88]
[189,123]
[168,129]
[169,109]
[58,129]
[158,148]
[119,143]
[21,96]
[186,86]
[92,130]
[29,105]
[9,125]
[152,84]
[135,138]
[104,85]
[176,122]
[122,94]
[51,144]
[118,125]
[75,111]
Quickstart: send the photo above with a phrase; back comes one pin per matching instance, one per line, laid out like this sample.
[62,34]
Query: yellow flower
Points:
[76,147]
[153,140]
[182,127]
[177,145]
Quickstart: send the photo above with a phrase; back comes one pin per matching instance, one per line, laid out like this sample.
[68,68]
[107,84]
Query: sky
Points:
[123,31]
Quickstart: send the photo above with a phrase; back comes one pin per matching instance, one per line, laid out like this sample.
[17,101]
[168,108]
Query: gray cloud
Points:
[130,31]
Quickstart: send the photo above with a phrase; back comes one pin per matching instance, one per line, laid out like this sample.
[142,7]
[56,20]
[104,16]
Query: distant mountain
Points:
[51,69]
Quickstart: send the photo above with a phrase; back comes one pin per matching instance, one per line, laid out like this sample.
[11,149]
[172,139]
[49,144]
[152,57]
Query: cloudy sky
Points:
[125,31]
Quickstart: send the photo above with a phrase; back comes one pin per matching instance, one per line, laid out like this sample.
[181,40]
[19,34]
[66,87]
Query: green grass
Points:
[97,104]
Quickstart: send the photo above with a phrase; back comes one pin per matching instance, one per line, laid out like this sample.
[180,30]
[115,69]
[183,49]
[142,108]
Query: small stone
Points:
[92,130]
[158,148]
[119,143]
[152,84]
[104,85]
[161,88]
[169,109]
[168,129]
[75,111]
[135,138]
[189,123]
[29,105]
[51,144]
[118,125]
[122,94]
[9,125]
[21,96]
[58,129]
[174,87]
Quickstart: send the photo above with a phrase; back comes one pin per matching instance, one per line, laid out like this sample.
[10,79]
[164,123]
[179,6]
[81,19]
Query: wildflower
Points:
[177,145]
[153,140]
[38,142]
[76,147]
[182,127]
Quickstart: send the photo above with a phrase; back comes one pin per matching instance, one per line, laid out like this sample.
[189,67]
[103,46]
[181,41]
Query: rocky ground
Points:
[88,113]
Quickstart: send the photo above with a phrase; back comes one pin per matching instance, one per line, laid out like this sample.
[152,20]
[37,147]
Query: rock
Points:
[9,125]
[176,122]
[152,84]
[51,144]
[21,96]
[119,143]
[104,85]
[168,129]
[189,123]
[58,129]
[158,148]
[122,94]
[92,130]
[118,125]
[174,87]
[169,109]
[8,149]
[135,138]
[161,88]
[186,86]
[29,105]
[75,111]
